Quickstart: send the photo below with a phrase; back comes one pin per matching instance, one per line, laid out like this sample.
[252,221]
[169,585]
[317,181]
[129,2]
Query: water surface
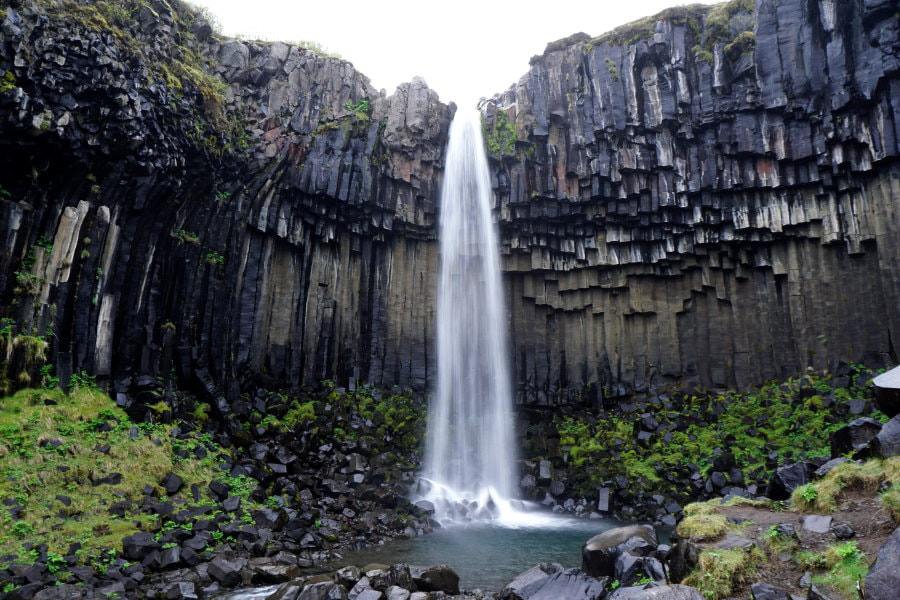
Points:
[485,556]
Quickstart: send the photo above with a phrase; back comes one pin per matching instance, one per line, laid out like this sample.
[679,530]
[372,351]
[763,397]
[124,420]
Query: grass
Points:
[703,527]
[868,477]
[788,418]
[721,572]
[47,449]
[845,566]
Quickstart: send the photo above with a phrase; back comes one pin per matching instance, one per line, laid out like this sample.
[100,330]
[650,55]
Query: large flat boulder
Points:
[598,555]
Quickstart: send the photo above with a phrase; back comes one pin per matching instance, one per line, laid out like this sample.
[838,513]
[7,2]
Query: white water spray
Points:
[469,461]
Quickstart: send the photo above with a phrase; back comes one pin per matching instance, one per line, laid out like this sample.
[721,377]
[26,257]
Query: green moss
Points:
[642,29]
[823,495]
[499,135]
[720,572]
[7,82]
[703,527]
[47,441]
[846,566]
[776,417]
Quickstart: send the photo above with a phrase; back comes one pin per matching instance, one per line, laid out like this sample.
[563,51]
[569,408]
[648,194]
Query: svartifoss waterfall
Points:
[469,462]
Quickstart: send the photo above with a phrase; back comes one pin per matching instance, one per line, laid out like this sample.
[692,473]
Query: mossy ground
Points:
[787,419]
[850,494]
[53,458]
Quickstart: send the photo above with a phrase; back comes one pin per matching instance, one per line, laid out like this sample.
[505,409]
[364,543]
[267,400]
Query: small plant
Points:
[82,380]
[48,381]
[186,237]
[22,529]
[614,585]
[215,258]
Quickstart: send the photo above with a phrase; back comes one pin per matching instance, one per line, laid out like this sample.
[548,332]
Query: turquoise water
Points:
[487,557]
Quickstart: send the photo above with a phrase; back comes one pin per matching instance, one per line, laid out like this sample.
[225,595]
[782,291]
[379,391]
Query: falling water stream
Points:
[470,459]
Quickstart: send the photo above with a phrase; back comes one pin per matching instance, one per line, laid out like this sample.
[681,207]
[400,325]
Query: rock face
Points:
[703,198]
[177,203]
[709,197]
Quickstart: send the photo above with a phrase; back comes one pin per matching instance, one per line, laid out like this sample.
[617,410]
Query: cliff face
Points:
[220,210]
[712,198]
[706,198]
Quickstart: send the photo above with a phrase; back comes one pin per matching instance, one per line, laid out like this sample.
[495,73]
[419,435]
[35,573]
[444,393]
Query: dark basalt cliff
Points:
[716,202]
[708,198]
[220,210]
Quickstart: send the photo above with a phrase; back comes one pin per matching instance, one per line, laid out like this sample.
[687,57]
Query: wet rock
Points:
[182,590]
[436,578]
[549,581]
[842,531]
[598,555]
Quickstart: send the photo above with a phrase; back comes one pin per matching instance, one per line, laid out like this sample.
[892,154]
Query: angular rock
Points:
[887,443]
[881,580]
[436,578]
[598,555]
[663,592]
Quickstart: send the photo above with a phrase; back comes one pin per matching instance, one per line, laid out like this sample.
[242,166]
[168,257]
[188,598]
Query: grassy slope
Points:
[47,449]
[838,564]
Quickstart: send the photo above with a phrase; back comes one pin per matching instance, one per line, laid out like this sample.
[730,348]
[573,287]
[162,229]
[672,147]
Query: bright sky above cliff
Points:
[464,49]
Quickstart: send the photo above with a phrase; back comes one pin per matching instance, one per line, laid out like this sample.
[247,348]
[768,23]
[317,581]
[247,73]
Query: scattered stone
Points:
[817,523]
[765,591]
[842,531]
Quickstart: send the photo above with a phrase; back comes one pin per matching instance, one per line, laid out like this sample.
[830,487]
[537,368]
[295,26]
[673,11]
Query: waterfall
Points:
[469,462]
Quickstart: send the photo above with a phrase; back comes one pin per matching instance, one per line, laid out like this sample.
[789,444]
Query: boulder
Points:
[436,578]
[662,592]
[887,392]
[787,479]
[226,571]
[765,591]
[882,578]
[323,590]
[549,581]
[887,443]
[598,555]
[817,523]
[853,436]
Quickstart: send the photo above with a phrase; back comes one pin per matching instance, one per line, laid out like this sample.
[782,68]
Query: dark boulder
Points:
[787,479]
[436,578]
[138,546]
[172,483]
[598,555]
[853,436]
[226,571]
[549,581]
[882,579]
[887,443]
[765,591]
[887,392]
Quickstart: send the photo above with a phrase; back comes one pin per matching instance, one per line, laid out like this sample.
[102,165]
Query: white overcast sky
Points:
[463,49]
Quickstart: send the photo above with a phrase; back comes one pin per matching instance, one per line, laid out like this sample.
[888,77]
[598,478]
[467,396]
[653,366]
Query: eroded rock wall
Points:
[180,205]
[711,198]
